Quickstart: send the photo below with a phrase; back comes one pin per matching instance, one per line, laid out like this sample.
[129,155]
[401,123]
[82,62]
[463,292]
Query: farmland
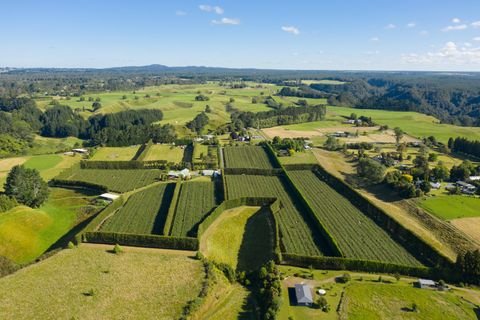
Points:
[114,180]
[164,152]
[144,212]
[195,200]
[450,207]
[240,237]
[297,236]
[26,233]
[356,234]
[137,283]
[247,157]
[114,153]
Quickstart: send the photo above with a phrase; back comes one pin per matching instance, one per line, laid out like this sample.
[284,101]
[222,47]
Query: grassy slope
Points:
[391,301]
[26,233]
[115,153]
[139,284]
[240,237]
[452,207]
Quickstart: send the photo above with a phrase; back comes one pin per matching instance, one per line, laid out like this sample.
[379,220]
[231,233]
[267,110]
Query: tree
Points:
[370,169]
[322,304]
[398,134]
[96,105]
[332,144]
[7,203]
[432,157]
[198,123]
[26,186]
[208,109]
[441,172]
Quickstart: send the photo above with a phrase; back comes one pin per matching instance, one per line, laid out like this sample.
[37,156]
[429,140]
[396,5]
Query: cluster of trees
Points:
[302,92]
[281,116]
[25,186]
[469,265]
[463,145]
[202,97]
[198,123]
[270,290]
[7,203]
[371,171]
[295,144]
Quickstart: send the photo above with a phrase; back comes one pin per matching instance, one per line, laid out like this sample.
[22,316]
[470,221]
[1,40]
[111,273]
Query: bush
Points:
[117,249]
[344,278]
[70,245]
[322,304]
[7,266]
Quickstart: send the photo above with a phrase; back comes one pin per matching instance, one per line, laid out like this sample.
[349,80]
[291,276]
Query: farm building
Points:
[109,196]
[210,173]
[466,187]
[303,294]
[426,284]
[80,150]
[435,185]
[183,174]
[474,178]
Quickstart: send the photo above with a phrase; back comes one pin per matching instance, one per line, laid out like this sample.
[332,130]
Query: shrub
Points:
[117,249]
[70,245]
[322,304]
[344,278]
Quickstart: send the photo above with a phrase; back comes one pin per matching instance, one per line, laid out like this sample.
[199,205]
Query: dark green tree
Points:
[26,186]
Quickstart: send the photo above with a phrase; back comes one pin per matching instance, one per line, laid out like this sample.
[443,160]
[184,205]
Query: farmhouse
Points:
[109,196]
[426,284]
[303,294]
[466,187]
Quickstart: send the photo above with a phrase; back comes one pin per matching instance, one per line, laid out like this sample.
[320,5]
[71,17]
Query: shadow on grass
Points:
[292,298]
[163,211]
[248,308]
[257,246]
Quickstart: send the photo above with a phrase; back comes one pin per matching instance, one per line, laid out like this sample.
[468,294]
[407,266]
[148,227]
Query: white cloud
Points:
[180,13]
[291,29]
[476,24]
[207,8]
[456,20]
[467,44]
[476,39]
[390,26]
[451,54]
[411,25]
[229,21]
[455,27]
[374,39]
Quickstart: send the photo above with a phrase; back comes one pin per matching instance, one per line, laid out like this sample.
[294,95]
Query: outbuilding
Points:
[109,197]
[426,284]
[80,150]
[304,295]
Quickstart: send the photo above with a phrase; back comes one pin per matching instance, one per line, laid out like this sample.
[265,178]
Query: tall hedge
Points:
[143,151]
[253,171]
[77,184]
[142,240]
[171,210]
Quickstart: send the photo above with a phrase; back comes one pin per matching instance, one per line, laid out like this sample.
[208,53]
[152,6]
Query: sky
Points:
[442,35]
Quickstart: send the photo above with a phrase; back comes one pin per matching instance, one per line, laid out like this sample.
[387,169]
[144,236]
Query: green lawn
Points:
[115,153]
[450,207]
[44,162]
[394,301]
[138,284]
[26,233]
[299,158]
[240,237]
[165,152]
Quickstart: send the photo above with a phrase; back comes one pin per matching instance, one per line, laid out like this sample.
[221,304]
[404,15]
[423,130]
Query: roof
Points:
[81,150]
[426,282]
[303,293]
[474,178]
[208,172]
[109,196]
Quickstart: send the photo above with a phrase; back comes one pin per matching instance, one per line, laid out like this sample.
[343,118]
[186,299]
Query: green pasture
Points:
[449,207]
[115,153]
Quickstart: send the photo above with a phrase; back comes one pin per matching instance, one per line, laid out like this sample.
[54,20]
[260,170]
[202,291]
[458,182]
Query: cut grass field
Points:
[449,207]
[247,157]
[195,201]
[394,301]
[297,236]
[469,226]
[138,284]
[165,152]
[241,237]
[415,124]
[26,233]
[115,153]
[115,180]
[144,213]
[357,235]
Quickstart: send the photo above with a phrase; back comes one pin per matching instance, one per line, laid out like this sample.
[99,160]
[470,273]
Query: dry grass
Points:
[136,284]
[470,226]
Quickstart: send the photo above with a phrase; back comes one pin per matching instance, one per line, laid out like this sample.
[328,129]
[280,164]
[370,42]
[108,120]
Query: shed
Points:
[303,294]
[208,173]
[426,284]
[109,196]
[435,185]
[80,150]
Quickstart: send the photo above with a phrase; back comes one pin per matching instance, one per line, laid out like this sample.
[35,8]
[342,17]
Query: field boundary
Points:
[167,228]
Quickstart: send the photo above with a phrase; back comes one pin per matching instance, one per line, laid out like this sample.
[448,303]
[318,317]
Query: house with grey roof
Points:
[303,293]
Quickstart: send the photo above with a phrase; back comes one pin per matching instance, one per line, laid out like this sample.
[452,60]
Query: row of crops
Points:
[356,234]
[195,201]
[297,236]
[247,157]
[115,180]
[144,213]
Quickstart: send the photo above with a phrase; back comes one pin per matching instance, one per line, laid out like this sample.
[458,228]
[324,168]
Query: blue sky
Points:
[347,34]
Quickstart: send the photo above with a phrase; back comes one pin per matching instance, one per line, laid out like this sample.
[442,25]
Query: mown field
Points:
[357,235]
[115,153]
[139,284]
[26,233]
[241,237]
[195,200]
[144,213]
[247,157]
[114,180]
[449,207]
[164,152]
[297,236]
